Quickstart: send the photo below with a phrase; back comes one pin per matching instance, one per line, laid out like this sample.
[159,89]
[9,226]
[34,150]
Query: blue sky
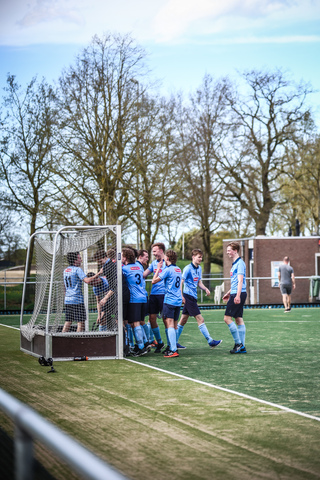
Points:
[184,38]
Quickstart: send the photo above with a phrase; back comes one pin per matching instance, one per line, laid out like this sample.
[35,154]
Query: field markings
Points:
[243,395]
[9,326]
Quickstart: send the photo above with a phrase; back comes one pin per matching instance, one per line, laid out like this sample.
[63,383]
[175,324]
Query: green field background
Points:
[151,424]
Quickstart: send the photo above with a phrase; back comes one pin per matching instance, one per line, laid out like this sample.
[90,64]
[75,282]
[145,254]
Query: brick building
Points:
[263,255]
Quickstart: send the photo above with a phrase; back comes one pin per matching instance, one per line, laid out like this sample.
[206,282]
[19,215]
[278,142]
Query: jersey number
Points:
[67,282]
[177,284]
[138,277]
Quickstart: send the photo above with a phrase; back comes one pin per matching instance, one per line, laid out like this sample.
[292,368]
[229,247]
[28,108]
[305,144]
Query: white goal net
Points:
[76,284]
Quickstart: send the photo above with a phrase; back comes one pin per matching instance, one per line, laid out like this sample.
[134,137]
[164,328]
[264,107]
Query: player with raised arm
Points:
[157,292]
[73,276]
[100,289]
[171,276]
[236,298]
[138,298]
[191,279]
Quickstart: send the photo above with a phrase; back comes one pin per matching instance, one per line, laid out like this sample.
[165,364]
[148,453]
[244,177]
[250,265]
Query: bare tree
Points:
[266,121]
[98,97]
[27,122]
[202,130]
[155,188]
[300,192]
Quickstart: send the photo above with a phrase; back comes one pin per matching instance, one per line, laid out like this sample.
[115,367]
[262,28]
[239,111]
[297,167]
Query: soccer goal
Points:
[76,313]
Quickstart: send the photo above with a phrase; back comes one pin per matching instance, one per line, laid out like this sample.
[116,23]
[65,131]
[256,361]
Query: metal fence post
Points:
[24,461]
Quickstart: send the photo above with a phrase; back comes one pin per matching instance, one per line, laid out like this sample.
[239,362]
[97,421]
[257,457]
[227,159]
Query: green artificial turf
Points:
[149,424]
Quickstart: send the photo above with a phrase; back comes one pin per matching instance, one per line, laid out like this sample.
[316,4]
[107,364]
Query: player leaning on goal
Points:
[73,276]
[171,277]
[191,279]
[236,298]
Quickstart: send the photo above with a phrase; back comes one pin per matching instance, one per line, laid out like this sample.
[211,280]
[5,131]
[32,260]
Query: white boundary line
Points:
[8,326]
[281,407]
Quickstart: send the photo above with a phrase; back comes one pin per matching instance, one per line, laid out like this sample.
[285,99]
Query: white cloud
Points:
[160,21]
[179,20]
[51,10]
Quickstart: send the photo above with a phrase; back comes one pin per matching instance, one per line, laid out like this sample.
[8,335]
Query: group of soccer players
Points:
[171,288]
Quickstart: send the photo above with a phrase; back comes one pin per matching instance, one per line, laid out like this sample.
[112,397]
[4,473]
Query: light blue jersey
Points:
[157,288]
[101,289]
[134,277]
[191,276]
[73,277]
[238,268]
[171,277]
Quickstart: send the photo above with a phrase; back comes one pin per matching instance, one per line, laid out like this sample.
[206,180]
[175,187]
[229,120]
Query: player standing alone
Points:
[236,298]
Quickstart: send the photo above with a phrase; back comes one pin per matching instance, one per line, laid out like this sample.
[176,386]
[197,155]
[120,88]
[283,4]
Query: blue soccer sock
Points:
[150,336]
[172,341]
[130,335]
[138,333]
[242,333]
[234,332]
[145,332]
[156,332]
[203,329]
[166,332]
[179,331]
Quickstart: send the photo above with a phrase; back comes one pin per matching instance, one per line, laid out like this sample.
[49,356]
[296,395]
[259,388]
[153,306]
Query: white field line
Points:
[281,407]
[8,326]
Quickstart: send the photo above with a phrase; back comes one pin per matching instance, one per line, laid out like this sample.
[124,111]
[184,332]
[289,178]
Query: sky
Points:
[184,39]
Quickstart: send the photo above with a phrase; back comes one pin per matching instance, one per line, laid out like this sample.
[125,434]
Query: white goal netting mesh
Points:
[69,298]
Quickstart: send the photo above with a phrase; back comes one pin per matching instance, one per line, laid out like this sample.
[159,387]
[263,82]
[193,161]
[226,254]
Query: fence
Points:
[30,426]
[259,289]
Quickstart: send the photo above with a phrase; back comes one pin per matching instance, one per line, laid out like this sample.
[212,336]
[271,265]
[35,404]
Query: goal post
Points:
[73,313]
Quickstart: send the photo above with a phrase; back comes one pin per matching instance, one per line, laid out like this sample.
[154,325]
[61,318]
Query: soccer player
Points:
[157,292]
[142,259]
[236,298]
[171,276]
[191,279]
[73,276]
[287,282]
[138,298]
[100,290]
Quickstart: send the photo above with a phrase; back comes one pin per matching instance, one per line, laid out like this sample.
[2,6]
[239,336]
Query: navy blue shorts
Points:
[170,311]
[156,304]
[235,310]
[136,312]
[75,313]
[191,306]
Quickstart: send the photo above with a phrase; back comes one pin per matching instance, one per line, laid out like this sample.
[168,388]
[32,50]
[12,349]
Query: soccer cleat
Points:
[180,347]
[159,347]
[236,348]
[214,343]
[166,350]
[154,343]
[147,345]
[287,310]
[137,352]
[171,354]
[243,349]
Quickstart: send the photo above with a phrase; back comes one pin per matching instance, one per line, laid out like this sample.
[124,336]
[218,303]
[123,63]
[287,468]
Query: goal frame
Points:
[57,347]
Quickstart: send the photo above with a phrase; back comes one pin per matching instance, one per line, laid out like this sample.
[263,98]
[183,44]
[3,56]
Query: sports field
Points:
[204,415]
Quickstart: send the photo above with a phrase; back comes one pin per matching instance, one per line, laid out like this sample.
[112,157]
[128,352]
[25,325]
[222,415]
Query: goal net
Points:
[69,298]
